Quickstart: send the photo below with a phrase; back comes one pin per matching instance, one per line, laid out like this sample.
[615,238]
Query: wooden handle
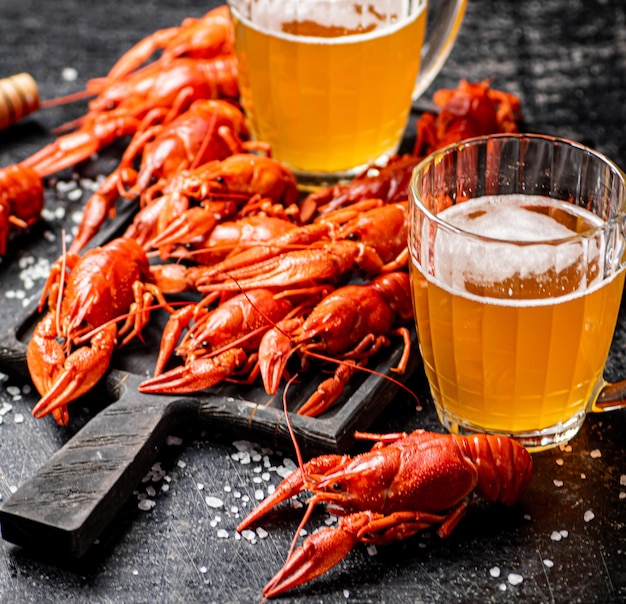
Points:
[65,507]
[19,97]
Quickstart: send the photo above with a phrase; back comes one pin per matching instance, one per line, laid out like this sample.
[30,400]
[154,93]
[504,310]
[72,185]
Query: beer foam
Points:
[270,15]
[517,245]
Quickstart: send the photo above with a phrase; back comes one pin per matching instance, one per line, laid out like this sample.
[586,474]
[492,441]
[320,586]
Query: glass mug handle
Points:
[439,41]
[612,397]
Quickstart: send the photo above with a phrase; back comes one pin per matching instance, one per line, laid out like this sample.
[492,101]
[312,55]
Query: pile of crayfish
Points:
[277,277]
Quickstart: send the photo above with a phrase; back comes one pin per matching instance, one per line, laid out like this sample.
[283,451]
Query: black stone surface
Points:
[566,538]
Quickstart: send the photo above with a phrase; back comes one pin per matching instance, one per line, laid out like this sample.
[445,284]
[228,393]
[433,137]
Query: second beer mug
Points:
[518,252]
[329,83]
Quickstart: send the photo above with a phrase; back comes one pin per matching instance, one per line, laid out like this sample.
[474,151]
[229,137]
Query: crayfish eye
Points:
[220,180]
[337,487]
[354,237]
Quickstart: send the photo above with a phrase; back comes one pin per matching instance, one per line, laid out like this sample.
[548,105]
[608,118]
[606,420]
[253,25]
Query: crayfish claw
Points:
[319,553]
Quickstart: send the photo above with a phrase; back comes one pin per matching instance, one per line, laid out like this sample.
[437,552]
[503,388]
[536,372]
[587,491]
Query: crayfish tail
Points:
[504,466]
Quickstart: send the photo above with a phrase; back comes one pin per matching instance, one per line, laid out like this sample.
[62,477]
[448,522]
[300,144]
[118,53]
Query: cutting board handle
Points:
[67,504]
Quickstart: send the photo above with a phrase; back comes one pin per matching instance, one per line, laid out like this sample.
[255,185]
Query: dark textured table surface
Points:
[566,539]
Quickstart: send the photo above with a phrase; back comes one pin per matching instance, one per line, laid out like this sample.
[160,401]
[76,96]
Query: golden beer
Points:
[515,337]
[328,96]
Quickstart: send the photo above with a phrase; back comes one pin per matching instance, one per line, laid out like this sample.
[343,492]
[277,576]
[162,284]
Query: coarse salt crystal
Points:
[494,571]
[249,535]
[146,504]
[69,74]
[622,495]
[261,533]
[556,536]
[259,495]
[515,579]
[548,563]
[622,480]
[222,534]
[557,483]
[371,549]
[588,516]
[214,502]
[12,488]
[199,486]
[181,464]
[595,453]
[18,418]
[203,569]
[559,462]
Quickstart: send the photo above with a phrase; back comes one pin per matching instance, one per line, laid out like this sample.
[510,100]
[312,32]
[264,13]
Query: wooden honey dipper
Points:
[19,97]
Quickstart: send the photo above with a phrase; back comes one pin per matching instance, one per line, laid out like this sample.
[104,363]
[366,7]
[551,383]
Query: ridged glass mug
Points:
[329,83]
[517,247]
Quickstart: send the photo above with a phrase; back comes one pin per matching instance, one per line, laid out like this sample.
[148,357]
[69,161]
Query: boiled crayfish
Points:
[406,483]
[105,285]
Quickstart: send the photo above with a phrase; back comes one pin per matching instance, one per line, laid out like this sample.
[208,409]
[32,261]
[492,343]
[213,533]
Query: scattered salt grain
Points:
[557,483]
[595,454]
[135,572]
[622,495]
[261,533]
[222,534]
[6,407]
[214,502]
[249,535]
[515,579]
[18,418]
[588,516]
[181,464]
[559,462]
[13,488]
[77,217]
[622,480]
[174,441]
[556,536]
[502,587]
[69,74]
[200,486]
[371,549]
[203,569]
[227,488]
[494,571]
[548,563]
[259,495]
[146,504]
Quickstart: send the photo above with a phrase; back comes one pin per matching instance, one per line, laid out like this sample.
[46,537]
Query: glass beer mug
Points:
[329,83]
[518,251]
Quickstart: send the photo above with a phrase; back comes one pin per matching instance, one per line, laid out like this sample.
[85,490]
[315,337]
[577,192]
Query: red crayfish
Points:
[406,483]
[72,344]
